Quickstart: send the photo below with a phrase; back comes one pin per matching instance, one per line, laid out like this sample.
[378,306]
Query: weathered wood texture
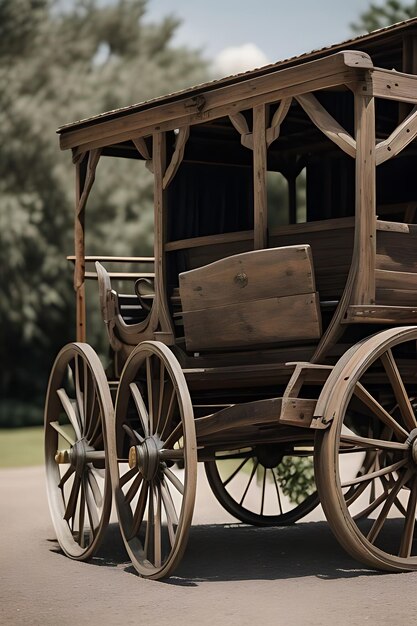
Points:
[251,299]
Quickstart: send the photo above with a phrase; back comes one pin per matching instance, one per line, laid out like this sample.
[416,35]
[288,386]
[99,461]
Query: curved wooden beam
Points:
[327,124]
[142,148]
[177,157]
[273,131]
[398,139]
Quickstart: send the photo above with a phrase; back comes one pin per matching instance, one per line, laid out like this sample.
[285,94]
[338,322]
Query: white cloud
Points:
[237,59]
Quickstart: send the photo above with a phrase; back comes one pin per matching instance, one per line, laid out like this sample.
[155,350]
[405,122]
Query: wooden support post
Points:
[365,216]
[85,175]
[259,177]
[79,246]
[161,319]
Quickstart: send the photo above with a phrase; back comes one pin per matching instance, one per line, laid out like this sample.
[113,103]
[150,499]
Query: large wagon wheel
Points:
[378,372]
[78,405]
[258,486]
[154,429]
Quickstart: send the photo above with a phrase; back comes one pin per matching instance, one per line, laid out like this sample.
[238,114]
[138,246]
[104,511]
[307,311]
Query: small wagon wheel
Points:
[78,405]
[373,512]
[154,429]
[256,484]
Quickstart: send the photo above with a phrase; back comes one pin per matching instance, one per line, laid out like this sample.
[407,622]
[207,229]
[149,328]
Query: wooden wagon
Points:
[259,337]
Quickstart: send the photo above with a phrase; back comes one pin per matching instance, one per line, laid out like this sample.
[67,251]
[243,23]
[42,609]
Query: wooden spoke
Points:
[380,520]
[81,514]
[400,392]
[160,395]
[174,480]
[79,494]
[78,392]
[65,477]
[133,489]
[381,472]
[169,412]
[158,528]
[236,471]
[168,503]
[172,455]
[149,382]
[62,432]
[133,434]
[379,411]
[173,437]
[73,499]
[93,517]
[128,476]
[70,411]
[141,408]
[140,510]
[95,489]
[252,474]
[263,492]
[374,444]
[277,491]
[410,522]
[150,525]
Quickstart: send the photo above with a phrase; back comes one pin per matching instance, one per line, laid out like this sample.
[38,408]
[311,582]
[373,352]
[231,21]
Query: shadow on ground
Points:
[239,552]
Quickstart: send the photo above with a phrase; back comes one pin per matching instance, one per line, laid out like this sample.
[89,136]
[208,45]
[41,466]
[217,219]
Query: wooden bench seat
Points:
[252,299]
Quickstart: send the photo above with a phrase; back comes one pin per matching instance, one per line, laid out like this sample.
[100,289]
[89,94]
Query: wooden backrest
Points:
[251,299]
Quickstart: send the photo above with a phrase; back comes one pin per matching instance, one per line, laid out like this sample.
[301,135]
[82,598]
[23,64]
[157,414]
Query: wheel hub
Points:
[76,456]
[146,457]
[412,442]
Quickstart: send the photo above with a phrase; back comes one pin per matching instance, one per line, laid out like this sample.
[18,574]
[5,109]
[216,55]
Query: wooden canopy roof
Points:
[392,47]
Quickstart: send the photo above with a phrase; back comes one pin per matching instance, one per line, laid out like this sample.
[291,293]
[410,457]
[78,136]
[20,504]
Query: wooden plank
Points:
[397,251]
[380,314]
[365,226]
[114,259]
[208,240]
[386,279]
[327,124]
[238,416]
[397,297]
[254,323]
[393,85]
[337,69]
[298,412]
[318,226]
[244,277]
[259,178]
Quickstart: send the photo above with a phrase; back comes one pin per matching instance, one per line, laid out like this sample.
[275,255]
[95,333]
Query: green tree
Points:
[379,16]
[60,62]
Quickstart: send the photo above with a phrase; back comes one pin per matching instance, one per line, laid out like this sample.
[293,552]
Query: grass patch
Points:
[21,447]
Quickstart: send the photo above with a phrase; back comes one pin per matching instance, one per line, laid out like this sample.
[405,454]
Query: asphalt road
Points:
[231,574]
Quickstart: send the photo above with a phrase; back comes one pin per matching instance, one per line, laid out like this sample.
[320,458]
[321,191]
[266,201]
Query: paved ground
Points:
[231,574]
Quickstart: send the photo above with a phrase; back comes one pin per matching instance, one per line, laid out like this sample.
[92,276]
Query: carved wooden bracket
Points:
[142,148]
[273,131]
[239,122]
[177,157]
[327,124]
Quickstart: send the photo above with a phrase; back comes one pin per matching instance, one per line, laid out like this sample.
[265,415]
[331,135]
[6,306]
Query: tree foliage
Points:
[60,62]
[379,16]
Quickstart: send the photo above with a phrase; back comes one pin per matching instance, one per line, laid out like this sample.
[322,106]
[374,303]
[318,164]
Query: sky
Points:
[243,34]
